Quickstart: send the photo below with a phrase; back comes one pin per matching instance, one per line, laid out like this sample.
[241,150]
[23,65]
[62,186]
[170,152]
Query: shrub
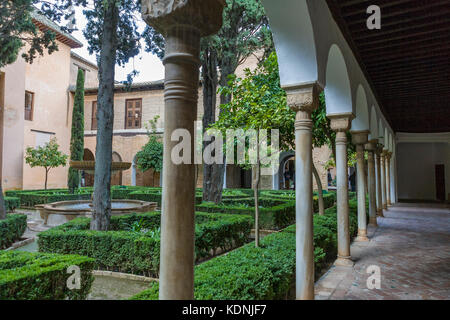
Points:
[138,252]
[12,203]
[11,229]
[39,276]
[250,273]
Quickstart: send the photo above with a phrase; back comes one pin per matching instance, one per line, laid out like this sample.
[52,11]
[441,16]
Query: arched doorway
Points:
[88,178]
[287,171]
[116,177]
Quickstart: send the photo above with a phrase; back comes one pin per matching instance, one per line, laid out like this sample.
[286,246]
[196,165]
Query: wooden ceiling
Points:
[407,61]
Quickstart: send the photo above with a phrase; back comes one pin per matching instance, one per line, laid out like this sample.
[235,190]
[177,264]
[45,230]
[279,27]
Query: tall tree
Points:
[244,32]
[112,33]
[77,137]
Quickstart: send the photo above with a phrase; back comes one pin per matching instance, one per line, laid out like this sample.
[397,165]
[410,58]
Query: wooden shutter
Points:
[29,105]
[133,114]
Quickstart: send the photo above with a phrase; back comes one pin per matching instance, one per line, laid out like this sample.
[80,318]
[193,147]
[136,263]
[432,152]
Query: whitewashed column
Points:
[388,178]
[359,139]
[304,99]
[383,180]
[341,123]
[371,147]
[182,23]
[379,151]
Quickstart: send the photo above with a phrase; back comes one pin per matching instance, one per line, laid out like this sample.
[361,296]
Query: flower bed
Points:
[127,249]
[11,229]
[264,273]
[39,276]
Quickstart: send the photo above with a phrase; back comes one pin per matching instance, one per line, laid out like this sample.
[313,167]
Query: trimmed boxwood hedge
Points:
[264,273]
[274,213]
[11,203]
[42,276]
[11,229]
[136,252]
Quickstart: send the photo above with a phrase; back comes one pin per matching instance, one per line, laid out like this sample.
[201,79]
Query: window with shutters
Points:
[94,116]
[133,114]
[29,105]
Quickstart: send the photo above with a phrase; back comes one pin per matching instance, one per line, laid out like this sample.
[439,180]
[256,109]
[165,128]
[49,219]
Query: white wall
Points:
[416,169]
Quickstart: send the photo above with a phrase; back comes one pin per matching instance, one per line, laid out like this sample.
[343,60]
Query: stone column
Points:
[303,99]
[341,123]
[371,147]
[379,151]
[359,139]
[388,178]
[383,180]
[182,23]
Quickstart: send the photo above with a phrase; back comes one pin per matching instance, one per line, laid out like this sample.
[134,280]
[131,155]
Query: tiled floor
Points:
[411,246]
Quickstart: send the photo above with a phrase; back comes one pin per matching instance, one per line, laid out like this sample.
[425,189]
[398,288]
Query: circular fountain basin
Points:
[61,212]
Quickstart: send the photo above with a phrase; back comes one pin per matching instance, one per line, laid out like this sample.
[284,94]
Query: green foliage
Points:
[263,273]
[42,276]
[11,203]
[150,157]
[77,138]
[18,29]
[47,156]
[136,251]
[11,229]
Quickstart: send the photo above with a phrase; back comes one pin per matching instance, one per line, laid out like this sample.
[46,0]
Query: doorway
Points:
[440,182]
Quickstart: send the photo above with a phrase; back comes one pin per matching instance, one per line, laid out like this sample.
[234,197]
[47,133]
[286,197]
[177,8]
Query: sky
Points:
[149,66]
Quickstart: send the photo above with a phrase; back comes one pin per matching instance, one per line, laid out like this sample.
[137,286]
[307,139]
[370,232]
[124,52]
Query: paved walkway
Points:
[411,247]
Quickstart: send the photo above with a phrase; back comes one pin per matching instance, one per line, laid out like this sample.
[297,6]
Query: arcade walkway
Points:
[412,248]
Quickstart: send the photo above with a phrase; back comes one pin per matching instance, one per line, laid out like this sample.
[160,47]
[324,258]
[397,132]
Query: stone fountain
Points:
[63,211]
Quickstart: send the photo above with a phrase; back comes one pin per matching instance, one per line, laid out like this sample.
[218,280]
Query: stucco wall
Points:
[13,122]
[416,169]
[48,78]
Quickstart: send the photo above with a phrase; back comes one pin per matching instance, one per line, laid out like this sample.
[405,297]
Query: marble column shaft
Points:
[383,180]
[182,23]
[370,147]
[360,139]
[379,150]
[303,99]
[341,124]
[388,178]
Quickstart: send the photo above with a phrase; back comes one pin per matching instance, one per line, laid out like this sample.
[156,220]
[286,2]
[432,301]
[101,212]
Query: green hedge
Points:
[11,229]
[136,252]
[264,273]
[274,213]
[11,203]
[39,276]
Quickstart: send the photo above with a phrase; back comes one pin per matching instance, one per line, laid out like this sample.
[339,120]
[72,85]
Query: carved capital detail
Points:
[303,97]
[341,122]
[360,137]
[206,16]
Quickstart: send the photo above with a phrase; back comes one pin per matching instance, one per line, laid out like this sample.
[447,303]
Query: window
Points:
[94,116]
[133,114]
[29,105]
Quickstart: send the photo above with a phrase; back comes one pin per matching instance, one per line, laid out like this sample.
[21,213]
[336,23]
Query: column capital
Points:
[371,145]
[360,137]
[379,149]
[197,14]
[341,122]
[303,97]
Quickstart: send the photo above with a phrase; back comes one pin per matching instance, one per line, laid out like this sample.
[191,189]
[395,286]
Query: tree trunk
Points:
[212,174]
[256,179]
[320,191]
[105,119]
[46,178]
[2,204]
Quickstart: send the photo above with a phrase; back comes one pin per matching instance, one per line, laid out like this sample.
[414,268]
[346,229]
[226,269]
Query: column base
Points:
[380,213]
[362,236]
[385,206]
[373,222]
[344,262]
[389,204]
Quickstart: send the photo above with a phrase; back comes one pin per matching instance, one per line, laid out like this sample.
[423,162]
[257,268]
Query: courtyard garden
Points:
[227,263]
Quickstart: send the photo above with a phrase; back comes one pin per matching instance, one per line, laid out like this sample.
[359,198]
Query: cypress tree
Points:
[77,139]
